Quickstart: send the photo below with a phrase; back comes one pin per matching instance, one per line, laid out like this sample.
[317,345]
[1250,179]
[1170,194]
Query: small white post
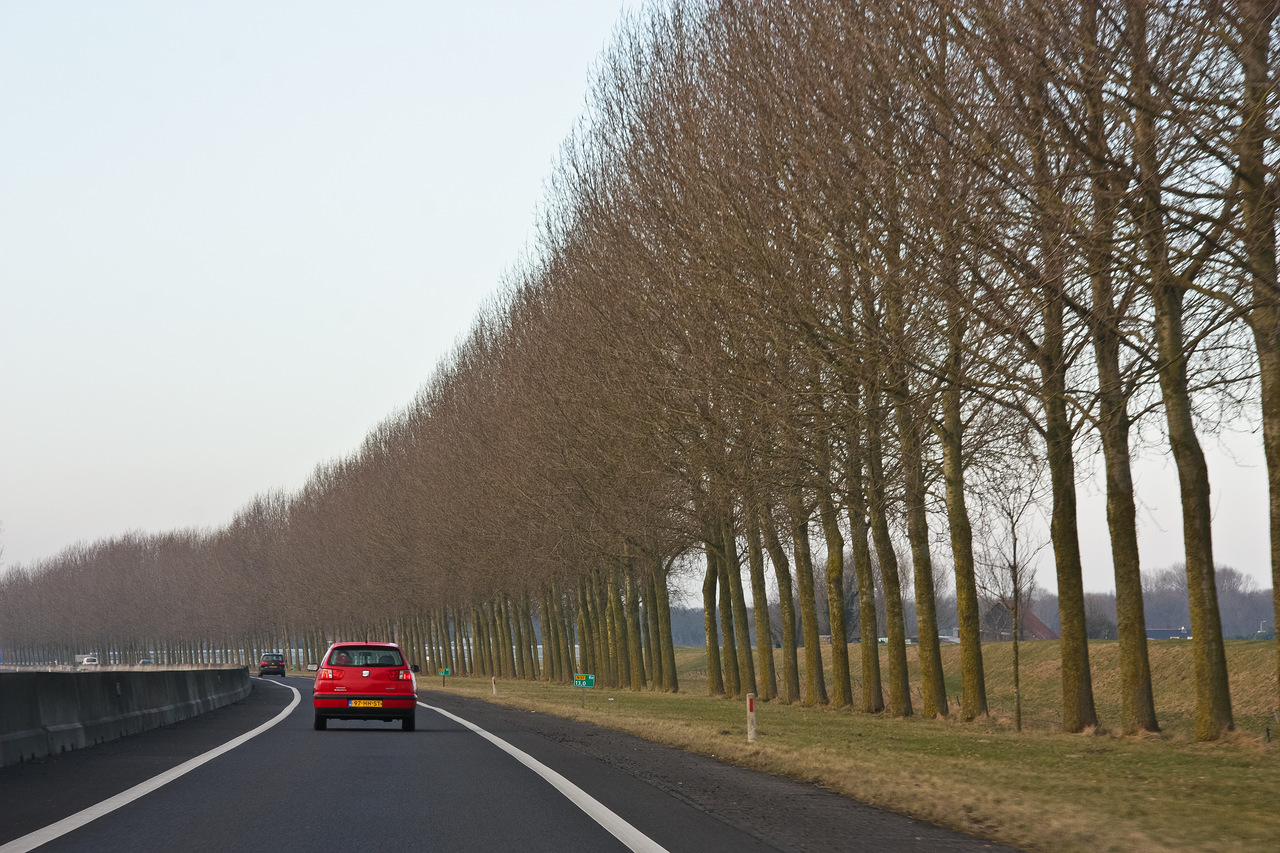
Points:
[495,685]
[751,718]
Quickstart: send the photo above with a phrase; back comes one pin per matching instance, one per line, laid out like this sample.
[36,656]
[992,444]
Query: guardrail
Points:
[46,713]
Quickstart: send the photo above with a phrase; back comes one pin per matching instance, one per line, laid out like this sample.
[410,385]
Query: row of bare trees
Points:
[831,276]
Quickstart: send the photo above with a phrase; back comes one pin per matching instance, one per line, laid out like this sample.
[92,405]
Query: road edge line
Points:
[633,838]
[32,840]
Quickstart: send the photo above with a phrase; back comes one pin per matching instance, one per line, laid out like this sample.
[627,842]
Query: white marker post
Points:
[751,718]
[495,685]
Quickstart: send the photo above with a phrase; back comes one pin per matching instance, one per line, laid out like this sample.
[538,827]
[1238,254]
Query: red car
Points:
[365,681]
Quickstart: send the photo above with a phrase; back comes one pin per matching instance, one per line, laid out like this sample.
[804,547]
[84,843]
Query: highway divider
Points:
[47,713]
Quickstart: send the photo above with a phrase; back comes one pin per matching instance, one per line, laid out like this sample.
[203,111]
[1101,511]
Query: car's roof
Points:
[366,645]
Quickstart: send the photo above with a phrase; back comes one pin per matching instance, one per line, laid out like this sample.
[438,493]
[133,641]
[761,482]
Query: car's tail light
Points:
[401,675]
[327,674]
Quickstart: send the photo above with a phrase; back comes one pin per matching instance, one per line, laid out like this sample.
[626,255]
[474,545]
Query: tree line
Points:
[810,280]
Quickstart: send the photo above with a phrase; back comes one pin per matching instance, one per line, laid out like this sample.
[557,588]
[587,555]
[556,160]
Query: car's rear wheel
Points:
[408,724]
[321,723]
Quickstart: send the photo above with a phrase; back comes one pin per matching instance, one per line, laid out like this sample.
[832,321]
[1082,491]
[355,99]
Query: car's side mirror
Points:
[313,666]
[416,668]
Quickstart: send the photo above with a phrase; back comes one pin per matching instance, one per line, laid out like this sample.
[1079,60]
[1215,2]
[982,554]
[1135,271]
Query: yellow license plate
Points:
[366,703]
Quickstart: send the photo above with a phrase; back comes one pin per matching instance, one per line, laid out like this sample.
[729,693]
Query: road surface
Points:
[255,776]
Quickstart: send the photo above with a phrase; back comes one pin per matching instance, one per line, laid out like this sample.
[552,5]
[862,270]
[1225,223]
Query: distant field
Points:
[1040,790]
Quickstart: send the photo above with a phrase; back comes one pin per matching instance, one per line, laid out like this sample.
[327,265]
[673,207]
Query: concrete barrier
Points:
[46,713]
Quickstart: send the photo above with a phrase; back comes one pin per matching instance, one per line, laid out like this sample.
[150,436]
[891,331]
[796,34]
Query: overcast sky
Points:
[234,236]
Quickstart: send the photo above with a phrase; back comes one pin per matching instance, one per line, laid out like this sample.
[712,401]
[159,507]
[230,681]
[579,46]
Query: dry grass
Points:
[1040,790]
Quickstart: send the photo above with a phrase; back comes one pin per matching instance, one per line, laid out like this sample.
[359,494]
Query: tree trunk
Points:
[632,612]
[895,628]
[729,650]
[841,683]
[742,626]
[606,633]
[786,606]
[671,680]
[760,609]
[1258,213]
[856,501]
[508,628]
[466,645]
[933,690]
[652,654]
[572,648]
[1267,342]
[619,637]
[1137,711]
[715,679]
[973,688]
[1213,698]
[493,641]
[550,646]
[444,639]
[1078,711]
[814,679]
[587,657]
[512,613]
[532,661]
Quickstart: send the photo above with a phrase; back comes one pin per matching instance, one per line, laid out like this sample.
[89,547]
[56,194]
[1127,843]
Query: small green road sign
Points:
[445,672]
[581,679]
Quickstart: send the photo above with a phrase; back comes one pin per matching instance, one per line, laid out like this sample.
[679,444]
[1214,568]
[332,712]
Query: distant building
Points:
[1169,633]
[997,624]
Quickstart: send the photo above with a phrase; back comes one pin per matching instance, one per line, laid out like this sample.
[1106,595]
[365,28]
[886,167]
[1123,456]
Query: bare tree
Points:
[1007,561]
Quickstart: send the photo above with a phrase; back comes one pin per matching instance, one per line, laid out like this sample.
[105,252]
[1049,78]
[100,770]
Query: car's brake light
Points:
[327,674]
[401,675]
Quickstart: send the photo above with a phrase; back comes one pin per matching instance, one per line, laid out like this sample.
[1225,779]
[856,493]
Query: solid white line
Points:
[633,838]
[55,830]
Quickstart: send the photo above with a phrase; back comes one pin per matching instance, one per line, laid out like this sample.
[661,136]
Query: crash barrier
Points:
[46,713]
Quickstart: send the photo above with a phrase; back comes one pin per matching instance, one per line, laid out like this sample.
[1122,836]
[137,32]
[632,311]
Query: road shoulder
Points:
[788,815]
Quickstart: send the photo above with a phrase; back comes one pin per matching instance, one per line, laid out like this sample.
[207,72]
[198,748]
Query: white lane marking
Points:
[633,838]
[68,824]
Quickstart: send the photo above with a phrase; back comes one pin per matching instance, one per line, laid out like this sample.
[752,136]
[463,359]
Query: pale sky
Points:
[235,236]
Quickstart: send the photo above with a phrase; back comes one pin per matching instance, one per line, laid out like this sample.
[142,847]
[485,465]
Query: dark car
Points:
[271,663]
[365,681]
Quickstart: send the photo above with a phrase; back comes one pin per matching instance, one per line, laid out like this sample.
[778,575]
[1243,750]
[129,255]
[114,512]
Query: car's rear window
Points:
[273,657]
[359,656]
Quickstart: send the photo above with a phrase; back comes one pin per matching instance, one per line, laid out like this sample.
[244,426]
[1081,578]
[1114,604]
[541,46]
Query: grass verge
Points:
[1040,789]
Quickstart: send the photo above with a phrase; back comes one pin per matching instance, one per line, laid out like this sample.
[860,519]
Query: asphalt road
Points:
[523,782]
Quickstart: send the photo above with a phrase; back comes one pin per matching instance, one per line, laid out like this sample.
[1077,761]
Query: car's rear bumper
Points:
[338,707]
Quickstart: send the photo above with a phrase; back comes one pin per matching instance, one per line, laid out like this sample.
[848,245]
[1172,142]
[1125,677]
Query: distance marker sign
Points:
[581,679]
